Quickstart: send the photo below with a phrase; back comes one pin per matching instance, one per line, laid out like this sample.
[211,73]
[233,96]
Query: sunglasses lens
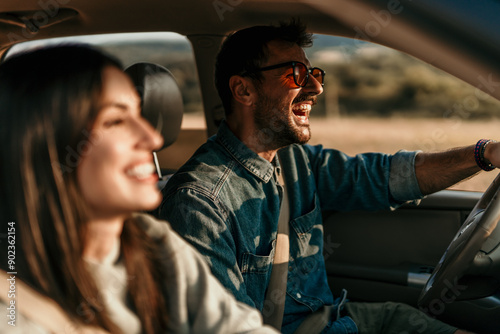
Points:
[300,73]
[318,75]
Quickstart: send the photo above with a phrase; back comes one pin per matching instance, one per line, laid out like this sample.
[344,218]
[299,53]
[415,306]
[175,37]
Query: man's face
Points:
[281,113]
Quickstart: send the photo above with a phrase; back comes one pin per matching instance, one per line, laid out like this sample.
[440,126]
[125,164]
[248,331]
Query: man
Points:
[226,199]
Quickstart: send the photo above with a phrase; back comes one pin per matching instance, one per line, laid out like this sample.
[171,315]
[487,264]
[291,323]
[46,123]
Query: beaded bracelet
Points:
[479,155]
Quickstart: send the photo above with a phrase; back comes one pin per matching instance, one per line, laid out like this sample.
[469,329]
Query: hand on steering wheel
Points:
[474,251]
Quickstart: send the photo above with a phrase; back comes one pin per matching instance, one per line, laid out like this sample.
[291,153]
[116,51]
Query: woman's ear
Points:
[242,89]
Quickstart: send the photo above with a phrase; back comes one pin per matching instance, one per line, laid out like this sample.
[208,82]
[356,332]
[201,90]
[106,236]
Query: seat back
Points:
[161,103]
[160,97]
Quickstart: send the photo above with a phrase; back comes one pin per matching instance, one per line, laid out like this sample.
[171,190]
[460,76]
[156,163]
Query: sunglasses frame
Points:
[293,64]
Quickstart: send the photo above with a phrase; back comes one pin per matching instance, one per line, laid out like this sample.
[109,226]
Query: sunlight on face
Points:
[117,174]
[282,109]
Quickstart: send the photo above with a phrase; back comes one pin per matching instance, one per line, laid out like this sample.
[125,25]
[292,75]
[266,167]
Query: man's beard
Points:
[275,128]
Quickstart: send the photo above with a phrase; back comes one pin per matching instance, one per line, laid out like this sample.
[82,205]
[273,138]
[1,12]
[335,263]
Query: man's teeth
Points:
[302,107]
[141,171]
[302,111]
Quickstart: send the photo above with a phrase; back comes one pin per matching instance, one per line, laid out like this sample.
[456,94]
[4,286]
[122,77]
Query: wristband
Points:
[479,155]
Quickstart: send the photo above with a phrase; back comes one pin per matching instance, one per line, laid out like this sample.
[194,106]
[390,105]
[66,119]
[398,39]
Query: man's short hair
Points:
[246,50]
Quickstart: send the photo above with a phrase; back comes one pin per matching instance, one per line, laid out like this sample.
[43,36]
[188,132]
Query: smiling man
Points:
[226,199]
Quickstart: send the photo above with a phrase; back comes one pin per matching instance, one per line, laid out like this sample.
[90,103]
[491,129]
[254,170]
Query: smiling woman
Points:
[80,168]
[122,158]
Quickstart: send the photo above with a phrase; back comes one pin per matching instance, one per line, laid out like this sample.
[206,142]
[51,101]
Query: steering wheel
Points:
[470,267]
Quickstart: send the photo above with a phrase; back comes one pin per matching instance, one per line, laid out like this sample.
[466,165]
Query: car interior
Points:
[442,255]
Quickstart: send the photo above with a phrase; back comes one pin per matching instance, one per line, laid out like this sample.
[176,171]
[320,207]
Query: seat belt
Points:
[276,291]
[274,304]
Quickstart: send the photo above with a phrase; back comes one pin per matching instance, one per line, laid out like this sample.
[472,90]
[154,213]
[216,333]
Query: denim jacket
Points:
[225,201]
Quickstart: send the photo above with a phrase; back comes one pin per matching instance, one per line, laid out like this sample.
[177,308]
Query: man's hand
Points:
[492,153]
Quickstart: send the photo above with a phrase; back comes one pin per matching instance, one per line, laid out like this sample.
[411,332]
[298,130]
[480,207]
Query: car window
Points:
[169,50]
[377,99]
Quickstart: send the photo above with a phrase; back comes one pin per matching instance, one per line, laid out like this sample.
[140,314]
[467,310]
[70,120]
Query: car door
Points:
[389,255]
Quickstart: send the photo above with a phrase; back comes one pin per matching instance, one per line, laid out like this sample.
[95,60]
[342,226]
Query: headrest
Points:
[161,98]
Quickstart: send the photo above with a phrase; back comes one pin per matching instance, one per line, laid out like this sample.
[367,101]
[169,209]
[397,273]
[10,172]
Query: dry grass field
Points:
[357,135]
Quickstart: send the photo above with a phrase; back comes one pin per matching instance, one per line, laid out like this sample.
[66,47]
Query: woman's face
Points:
[116,173]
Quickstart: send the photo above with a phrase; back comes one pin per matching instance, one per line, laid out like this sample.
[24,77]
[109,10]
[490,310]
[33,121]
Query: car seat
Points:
[161,103]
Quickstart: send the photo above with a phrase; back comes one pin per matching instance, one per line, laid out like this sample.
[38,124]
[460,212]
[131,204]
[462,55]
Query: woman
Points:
[76,168]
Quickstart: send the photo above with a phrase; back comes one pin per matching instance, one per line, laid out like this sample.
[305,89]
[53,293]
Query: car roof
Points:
[461,37]
[340,17]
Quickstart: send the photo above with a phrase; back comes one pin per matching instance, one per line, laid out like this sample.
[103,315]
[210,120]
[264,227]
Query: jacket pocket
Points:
[306,249]
[257,264]
[309,226]
[256,271]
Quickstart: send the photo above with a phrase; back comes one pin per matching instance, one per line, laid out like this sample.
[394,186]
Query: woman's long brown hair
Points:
[48,103]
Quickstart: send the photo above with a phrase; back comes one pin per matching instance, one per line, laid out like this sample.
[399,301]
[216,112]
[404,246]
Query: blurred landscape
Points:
[375,99]
[354,135]
[362,79]
[357,135]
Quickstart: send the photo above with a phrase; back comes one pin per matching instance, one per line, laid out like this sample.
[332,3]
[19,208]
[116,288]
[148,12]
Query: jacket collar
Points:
[247,158]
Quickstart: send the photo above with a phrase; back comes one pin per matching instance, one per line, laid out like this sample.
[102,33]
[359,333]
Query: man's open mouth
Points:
[301,110]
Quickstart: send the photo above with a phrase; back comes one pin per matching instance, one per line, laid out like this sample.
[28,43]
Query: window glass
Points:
[375,99]
[169,50]
[380,100]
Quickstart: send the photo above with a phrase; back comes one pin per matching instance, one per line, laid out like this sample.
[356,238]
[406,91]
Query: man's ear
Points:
[242,89]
